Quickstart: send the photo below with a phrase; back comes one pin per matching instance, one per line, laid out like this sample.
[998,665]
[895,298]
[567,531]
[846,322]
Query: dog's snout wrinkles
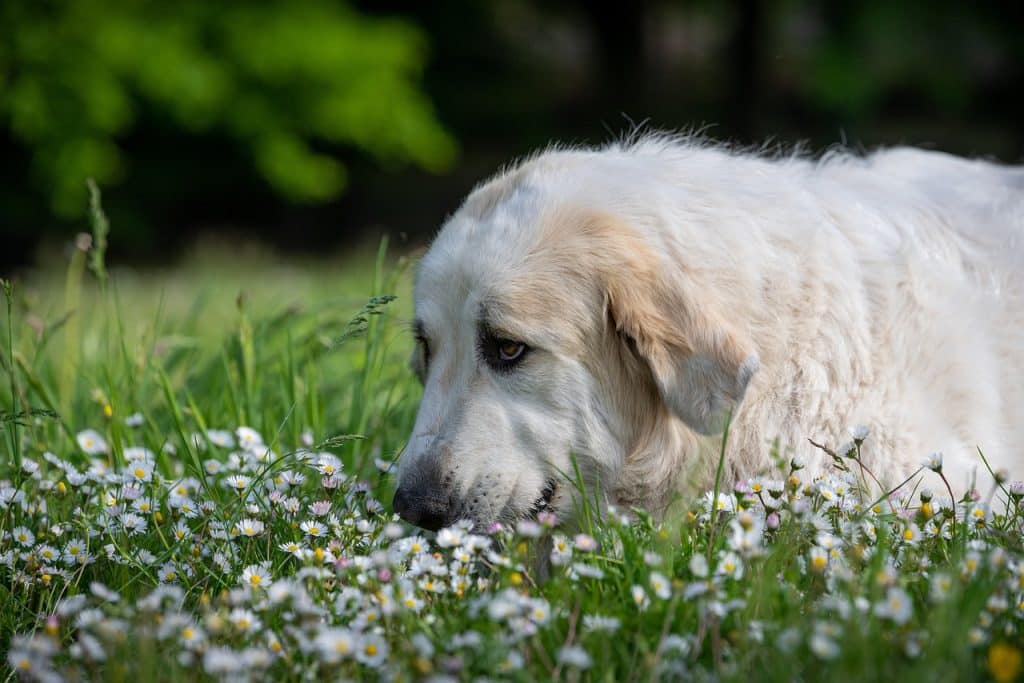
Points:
[423,511]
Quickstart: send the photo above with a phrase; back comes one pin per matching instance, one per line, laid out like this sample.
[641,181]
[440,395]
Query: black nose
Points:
[423,511]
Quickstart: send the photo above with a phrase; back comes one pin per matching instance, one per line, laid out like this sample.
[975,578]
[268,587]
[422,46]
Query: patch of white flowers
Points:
[262,564]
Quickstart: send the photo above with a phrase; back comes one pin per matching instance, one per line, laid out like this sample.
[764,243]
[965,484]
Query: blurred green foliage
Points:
[287,81]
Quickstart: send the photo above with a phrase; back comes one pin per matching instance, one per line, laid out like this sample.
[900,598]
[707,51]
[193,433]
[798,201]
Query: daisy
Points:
[133,523]
[373,650]
[320,508]
[249,527]
[257,576]
[661,586]
[896,607]
[574,656]
[817,559]
[73,549]
[979,516]
[220,438]
[23,536]
[596,622]
[911,534]
[527,528]
[823,647]
[293,548]
[292,478]
[91,442]
[167,573]
[513,662]
[450,537]
[412,603]
[335,644]
[561,550]
[724,502]
[540,611]
[248,438]
[244,620]
[585,543]
[639,596]
[238,482]
[191,636]
[138,454]
[328,464]
[48,553]
[313,528]
[934,462]
[730,565]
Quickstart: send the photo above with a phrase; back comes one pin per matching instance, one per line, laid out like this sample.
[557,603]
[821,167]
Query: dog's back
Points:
[950,299]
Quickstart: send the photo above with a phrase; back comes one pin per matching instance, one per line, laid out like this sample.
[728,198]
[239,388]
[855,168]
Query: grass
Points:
[194,484]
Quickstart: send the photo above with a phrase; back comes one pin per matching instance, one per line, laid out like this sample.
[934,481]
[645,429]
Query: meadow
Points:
[195,483]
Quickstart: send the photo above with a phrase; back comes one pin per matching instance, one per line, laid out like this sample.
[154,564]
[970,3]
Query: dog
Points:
[592,319]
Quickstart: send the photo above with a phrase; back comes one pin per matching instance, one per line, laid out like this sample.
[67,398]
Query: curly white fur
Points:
[663,283]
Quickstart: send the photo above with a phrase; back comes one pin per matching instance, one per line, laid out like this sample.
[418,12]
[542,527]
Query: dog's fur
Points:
[663,283]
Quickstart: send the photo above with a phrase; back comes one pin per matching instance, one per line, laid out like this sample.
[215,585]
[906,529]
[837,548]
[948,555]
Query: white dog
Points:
[600,312]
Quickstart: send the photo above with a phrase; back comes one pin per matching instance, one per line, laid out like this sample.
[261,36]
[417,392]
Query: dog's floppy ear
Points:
[701,364]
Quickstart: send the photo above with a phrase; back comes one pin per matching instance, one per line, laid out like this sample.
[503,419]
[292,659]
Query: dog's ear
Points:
[700,362]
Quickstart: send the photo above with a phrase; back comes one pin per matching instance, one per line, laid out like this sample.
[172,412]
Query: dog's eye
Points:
[500,353]
[421,359]
[509,351]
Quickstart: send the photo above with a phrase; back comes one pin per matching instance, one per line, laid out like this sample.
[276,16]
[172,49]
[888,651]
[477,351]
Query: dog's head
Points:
[551,339]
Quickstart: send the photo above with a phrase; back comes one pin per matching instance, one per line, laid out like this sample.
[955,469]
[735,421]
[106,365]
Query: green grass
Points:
[781,580]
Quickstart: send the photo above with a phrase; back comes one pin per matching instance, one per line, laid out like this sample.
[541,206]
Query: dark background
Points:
[482,83]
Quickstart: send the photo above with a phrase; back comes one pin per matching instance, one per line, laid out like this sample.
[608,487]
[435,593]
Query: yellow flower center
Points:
[255,579]
[371,649]
[1004,662]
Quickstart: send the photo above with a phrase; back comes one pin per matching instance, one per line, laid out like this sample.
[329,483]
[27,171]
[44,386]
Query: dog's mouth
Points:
[544,500]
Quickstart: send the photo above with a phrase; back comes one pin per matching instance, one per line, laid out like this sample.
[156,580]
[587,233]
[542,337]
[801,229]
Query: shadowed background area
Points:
[314,126]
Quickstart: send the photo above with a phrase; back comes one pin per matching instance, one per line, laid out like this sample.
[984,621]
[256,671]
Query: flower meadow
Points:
[204,493]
